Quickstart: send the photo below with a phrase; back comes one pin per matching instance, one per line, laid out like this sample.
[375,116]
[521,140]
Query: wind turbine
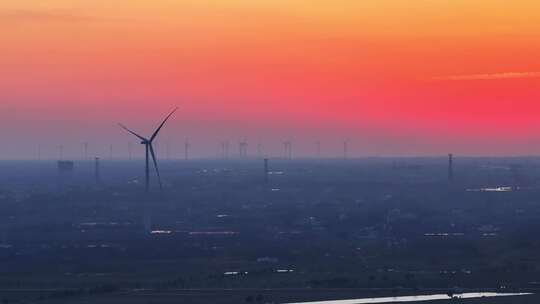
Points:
[243,145]
[129,151]
[85,153]
[259,150]
[225,149]
[147,142]
[288,149]
[187,145]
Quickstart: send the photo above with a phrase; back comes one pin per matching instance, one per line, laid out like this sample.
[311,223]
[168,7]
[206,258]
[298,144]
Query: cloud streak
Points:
[23,15]
[493,76]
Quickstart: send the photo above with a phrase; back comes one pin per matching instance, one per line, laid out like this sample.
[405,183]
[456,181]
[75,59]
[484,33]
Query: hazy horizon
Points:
[395,77]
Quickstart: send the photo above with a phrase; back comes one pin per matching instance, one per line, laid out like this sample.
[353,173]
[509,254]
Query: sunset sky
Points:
[395,77]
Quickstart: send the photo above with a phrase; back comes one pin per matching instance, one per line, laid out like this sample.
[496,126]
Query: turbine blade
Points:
[155,164]
[125,128]
[161,125]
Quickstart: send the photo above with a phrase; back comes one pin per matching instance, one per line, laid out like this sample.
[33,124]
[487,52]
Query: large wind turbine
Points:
[150,150]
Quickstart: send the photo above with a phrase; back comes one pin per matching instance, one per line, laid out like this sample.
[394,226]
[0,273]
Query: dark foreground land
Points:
[230,296]
[317,229]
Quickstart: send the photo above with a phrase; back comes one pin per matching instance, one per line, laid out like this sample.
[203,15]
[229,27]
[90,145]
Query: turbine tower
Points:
[288,149]
[223,149]
[266,172]
[129,151]
[259,150]
[147,142]
[85,155]
[450,167]
[97,171]
[61,152]
[243,145]
[187,145]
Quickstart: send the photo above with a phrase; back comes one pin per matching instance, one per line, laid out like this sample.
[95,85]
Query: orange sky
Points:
[393,76]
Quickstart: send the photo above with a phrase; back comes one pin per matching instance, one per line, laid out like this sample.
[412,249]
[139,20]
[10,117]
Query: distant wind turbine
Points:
[243,145]
[85,152]
[150,150]
[129,151]
[225,149]
[288,149]
[61,152]
[259,150]
[187,145]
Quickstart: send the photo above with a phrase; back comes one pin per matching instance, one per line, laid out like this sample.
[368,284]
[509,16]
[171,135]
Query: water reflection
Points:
[418,298]
[493,189]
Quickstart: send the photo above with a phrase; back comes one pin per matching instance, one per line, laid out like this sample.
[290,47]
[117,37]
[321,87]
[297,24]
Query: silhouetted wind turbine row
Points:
[187,147]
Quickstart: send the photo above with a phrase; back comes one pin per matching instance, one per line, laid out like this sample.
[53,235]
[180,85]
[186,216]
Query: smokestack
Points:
[97,171]
[345,149]
[186,150]
[450,167]
[266,170]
